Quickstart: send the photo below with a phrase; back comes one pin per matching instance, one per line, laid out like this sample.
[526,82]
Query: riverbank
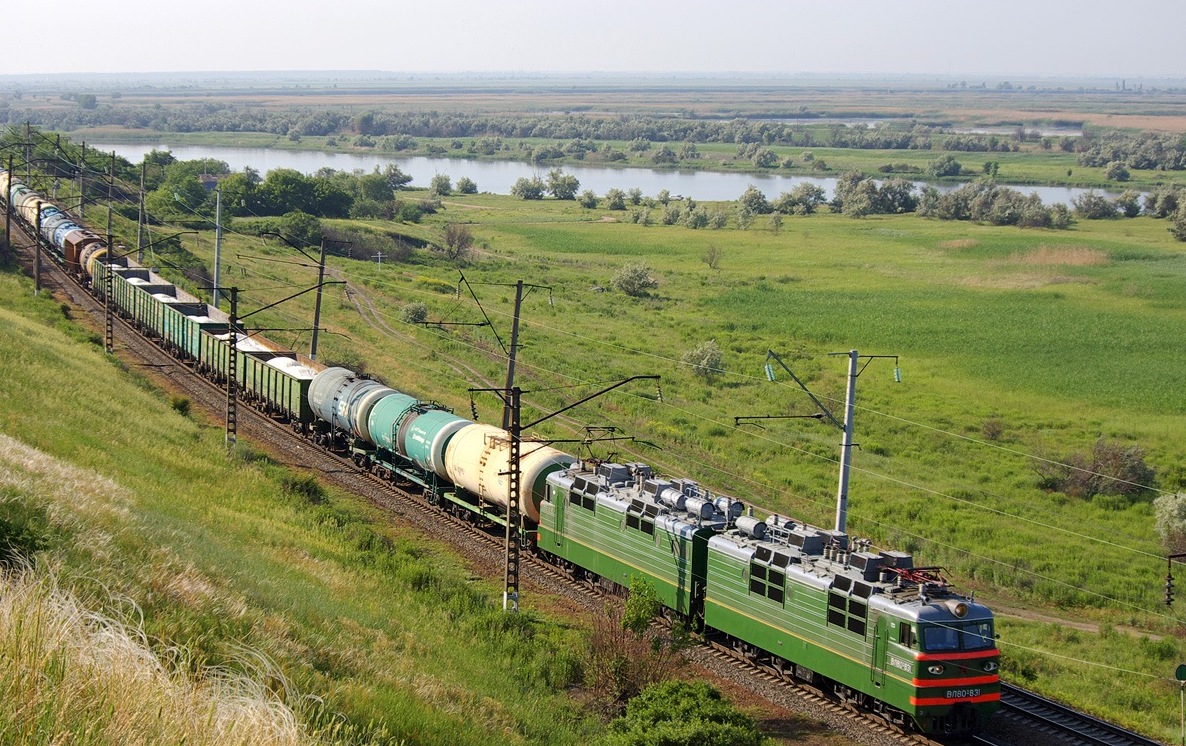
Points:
[498,175]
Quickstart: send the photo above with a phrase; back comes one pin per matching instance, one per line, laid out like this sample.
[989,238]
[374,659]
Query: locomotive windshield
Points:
[970,636]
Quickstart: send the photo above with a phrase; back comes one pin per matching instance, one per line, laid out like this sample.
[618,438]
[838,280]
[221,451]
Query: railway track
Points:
[1032,719]
[1041,715]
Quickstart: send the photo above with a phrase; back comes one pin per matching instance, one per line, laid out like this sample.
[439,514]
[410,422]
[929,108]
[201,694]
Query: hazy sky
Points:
[1139,38]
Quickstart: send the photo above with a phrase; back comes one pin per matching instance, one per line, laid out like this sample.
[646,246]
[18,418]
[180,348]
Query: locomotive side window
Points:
[767,581]
[906,635]
[848,613]
[582,500]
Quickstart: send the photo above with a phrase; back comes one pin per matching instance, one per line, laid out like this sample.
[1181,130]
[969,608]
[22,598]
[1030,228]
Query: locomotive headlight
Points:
[935,669]
[990,666]
[960,610]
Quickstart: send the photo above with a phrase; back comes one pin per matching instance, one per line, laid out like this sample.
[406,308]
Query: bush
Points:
[24,531]
[682,713]
[1170,512]
[1110,469]
[634,280]
[303,486]
[1116,171]
[525,188]
[1093,206]
[625,654]
[704,359]
[414,313]
[180,404]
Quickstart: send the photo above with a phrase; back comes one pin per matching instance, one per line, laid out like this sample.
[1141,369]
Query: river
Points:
[498,177]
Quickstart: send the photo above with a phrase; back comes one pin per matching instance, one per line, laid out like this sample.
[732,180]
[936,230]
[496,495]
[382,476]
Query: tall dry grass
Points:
[70,675]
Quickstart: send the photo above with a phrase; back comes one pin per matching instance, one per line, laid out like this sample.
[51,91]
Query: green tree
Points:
[301,228]
[238,193]
[615,199]
[944,165]
[1093,206]
[1178,223]
[754,201]
[588,199]
[285,190]
[1116,171]
[375,186]
[664,156]
[397,178]
[525,188]
[561,185]
[466,185]
[766,158]
[1129,203]
[441,185]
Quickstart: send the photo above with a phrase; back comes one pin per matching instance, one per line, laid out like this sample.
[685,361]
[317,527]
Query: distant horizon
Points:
[972,78]
[931,38]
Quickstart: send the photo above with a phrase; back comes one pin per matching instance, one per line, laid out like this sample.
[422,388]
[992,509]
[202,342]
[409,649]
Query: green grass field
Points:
[1056,338]
[1059,338]
[236,565]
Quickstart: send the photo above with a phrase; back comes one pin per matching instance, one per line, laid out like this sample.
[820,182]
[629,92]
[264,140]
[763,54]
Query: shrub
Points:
[1093,206]
[682,713]
[414,313]
[625,654]
[24,531]
[993,429]
[303,486]
[704,359]
[615,199]
[180,404]
[1110,469]
[1170,512]
[525,188]
[634,280]
[1116,171]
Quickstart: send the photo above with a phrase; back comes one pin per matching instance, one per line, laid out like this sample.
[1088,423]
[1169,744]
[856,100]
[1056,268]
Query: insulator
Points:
[769,372]
[897,374]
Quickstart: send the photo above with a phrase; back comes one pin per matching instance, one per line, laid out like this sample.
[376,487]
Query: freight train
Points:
[811,603]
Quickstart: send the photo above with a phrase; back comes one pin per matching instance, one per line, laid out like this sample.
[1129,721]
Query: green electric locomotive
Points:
[878,632]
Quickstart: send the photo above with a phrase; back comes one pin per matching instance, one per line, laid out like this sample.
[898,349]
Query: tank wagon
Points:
[809,602]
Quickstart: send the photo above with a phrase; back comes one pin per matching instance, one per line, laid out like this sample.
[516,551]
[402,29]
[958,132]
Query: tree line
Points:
[368,126]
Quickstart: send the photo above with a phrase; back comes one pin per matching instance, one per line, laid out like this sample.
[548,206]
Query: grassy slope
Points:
[224,556]
[1061,336]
